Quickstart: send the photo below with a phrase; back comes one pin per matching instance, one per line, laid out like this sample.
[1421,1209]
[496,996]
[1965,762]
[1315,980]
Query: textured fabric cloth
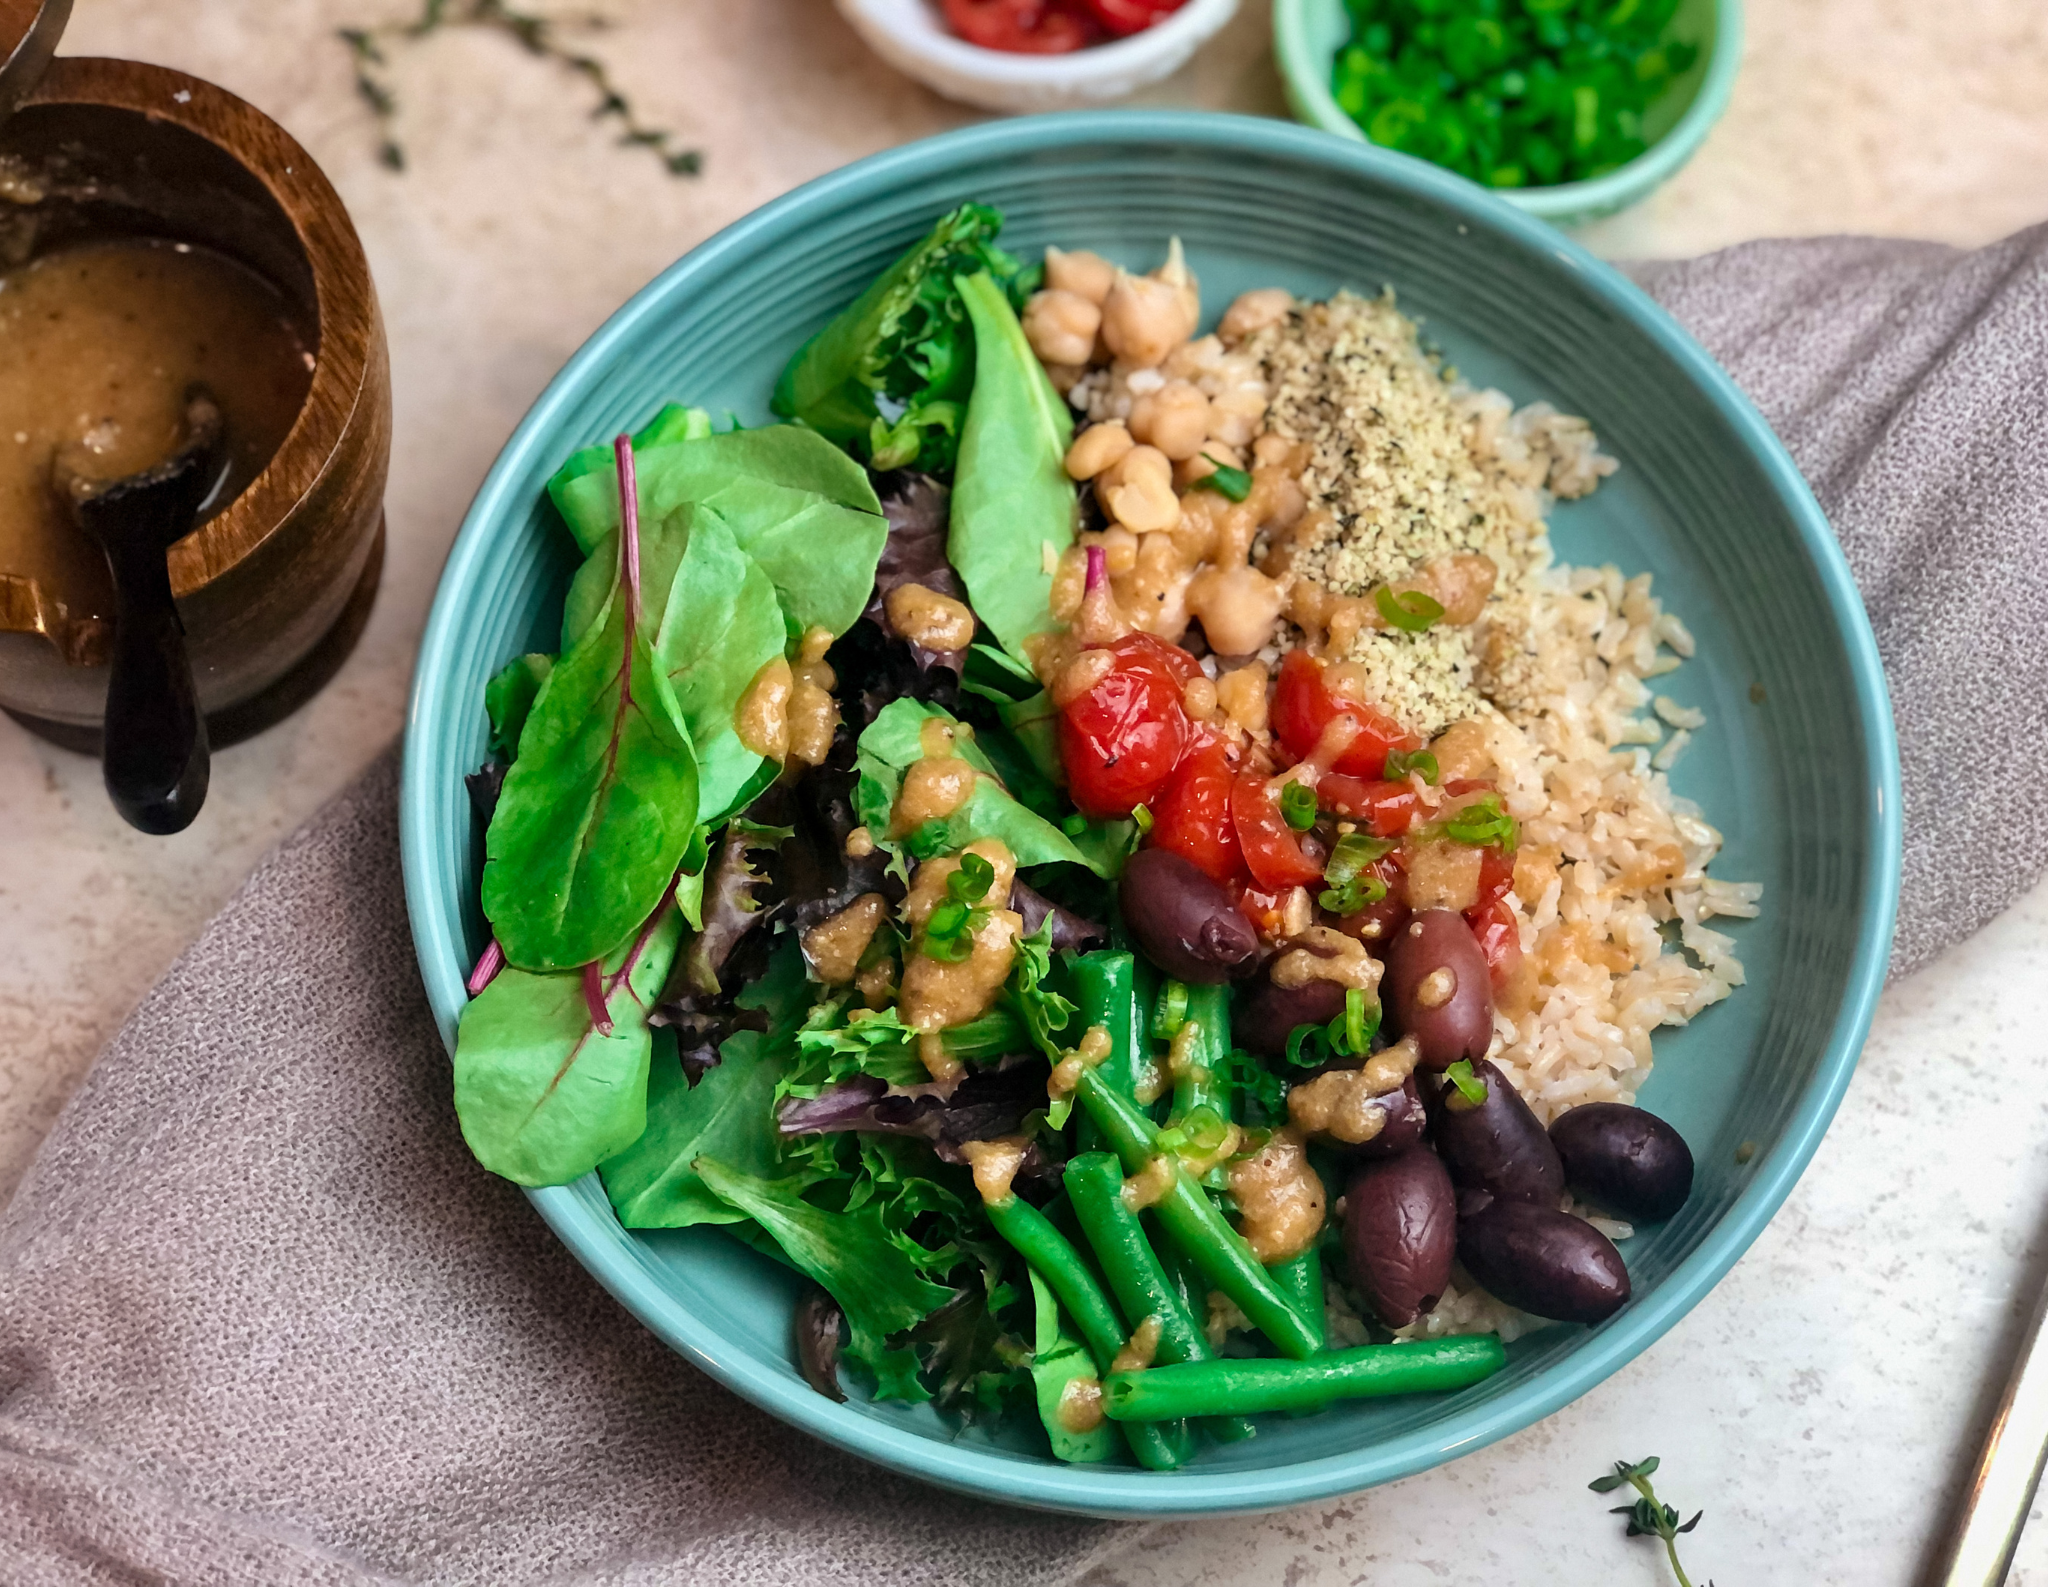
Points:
[1910,383]
[262,1319]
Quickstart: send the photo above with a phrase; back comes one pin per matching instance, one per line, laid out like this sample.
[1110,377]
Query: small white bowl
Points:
[912,36]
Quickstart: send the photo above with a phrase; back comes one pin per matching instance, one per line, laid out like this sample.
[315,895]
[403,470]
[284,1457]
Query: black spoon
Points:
[153,750]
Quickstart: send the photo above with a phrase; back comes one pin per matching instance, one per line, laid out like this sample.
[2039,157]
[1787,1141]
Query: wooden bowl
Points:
[274,589]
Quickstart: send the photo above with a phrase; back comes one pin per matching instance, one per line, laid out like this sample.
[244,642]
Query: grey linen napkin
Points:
[262,1320]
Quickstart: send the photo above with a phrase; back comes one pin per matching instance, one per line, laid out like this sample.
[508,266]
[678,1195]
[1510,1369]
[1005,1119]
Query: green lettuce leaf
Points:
[728,1114]
[907,339]
[1012,498]
[509,697]
[598,809]
[852,1254]
[541,1094]
[591,515]
[893,742]
[1058,1357]
[794,502]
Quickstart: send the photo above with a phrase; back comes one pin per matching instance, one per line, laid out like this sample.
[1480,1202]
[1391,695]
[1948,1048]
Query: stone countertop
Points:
[1821,1403]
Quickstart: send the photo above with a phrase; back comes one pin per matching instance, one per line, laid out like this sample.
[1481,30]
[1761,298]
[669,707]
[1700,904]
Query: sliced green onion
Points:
[1352,885]
[1204,1130]
[1298,806]
[1410,611]
[1171,1010]
[1232,482]
[1484,821]
[1143,818]
[970,883]
[1469,1085]
[1400,764]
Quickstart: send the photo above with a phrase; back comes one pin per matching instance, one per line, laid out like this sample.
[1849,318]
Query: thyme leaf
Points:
[1648,1516]
[538,36]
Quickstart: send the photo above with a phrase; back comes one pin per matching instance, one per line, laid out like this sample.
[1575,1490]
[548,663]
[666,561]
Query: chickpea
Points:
[1203,464]
[1175,273]
[1099,447]
[1082,273]
[1138,492]
[1253,312]
[1238,607]
[1119,550]
[927,618]
[1143,320]
[1069,580]
[1234,414]
[1198,698]
[1241,695]
[1175,418]
[1061,326]
[1273,451]
[1192,360]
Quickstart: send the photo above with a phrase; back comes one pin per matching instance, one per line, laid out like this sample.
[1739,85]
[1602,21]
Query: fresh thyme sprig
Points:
[534,34]
[1648,1516]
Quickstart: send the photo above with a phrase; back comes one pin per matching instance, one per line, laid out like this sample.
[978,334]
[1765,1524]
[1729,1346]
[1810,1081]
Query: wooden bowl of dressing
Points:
[156,231]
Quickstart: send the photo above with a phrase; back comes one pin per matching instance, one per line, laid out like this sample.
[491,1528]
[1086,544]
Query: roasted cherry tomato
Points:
[1131,16]
[1491,920]
[1122,739]
[1387,808]
[1022,27]
[1302,708]
[1192,817]
[1272,851]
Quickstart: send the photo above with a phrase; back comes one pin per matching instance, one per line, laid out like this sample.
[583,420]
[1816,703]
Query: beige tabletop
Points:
[1819,1404]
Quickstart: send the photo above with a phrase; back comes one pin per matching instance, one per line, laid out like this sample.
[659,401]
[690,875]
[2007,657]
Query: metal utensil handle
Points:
[2002,1491]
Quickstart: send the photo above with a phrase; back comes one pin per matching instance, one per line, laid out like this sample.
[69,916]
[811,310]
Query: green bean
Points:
[1191,1218]
[1300,1279]
[1200,1082]
[1106,992]
[1136,1275]
[1203,1388]
[1053,1258]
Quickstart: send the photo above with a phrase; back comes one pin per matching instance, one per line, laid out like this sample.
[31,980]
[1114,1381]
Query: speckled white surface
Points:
[1820,1403]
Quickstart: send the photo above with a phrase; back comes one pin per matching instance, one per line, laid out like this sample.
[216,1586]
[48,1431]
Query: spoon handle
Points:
[155,757]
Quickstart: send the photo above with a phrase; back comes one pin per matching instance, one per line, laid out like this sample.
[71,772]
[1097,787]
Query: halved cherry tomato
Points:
[1500,939]
[1262,909]
[1388,808]
[1022,27]
[1272,852]
[1122,739]
[1131,16]
[1192,817]
[1492,920]
[1302,708]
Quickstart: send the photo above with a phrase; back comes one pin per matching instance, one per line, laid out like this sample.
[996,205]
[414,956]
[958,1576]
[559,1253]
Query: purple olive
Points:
[1406,1122]
[1267,1014]
[1183,919]
[1623,1159]
[1496,1145]
[1541,1260]
[1400,1232]
[1438,988]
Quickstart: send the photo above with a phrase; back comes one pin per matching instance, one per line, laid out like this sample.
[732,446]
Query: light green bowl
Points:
[1797,762]
[1308,34]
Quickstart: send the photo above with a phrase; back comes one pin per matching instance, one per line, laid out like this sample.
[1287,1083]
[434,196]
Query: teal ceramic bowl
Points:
[1797,763]
[1309,34]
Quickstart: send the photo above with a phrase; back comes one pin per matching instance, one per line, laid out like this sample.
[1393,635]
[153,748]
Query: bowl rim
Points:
[935,46]
[982,1470]
[1309,97]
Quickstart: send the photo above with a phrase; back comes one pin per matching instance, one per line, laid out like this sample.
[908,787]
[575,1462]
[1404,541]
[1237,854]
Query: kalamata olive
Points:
[1400,1231]
[1438,988]
[1183,920]
[1266,1014]
[1496,1145]
[1406,1122]
[1541,1260]
[1624,1160]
